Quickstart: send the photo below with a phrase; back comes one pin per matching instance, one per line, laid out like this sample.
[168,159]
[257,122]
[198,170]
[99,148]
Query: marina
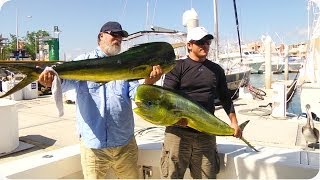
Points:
[48,142]
[274,86]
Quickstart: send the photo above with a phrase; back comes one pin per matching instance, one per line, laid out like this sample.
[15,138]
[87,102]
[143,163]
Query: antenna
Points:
[154,11]
[147,16]
[124,9]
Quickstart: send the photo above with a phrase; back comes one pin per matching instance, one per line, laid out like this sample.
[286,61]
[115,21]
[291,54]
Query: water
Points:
[293,107]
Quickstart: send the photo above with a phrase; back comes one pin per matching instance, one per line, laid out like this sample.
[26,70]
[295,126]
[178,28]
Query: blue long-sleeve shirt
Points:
[104,112]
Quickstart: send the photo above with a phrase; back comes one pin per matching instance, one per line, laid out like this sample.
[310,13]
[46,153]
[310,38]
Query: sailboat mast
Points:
[308,9]
[216,33]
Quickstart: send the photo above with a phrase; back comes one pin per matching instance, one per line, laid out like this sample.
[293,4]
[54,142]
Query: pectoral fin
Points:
[141,68]
[177,111]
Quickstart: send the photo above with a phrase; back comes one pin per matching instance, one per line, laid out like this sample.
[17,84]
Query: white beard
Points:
[112,49]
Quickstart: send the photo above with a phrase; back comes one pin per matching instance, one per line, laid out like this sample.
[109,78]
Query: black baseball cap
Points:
[115,27]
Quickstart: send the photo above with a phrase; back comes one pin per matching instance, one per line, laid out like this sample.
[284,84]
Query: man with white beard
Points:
[104,113]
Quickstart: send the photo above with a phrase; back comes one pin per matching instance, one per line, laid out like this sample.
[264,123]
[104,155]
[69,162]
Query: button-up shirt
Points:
[104,111]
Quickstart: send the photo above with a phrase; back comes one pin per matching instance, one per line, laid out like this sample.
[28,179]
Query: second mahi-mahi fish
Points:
[165,107]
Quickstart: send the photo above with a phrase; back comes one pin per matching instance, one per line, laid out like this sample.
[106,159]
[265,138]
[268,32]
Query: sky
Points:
[80,20]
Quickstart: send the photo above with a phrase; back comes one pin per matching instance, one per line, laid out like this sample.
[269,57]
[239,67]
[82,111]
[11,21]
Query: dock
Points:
[42,134]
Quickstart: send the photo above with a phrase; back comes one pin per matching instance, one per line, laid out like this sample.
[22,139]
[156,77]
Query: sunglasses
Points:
[114,34]
[202,42]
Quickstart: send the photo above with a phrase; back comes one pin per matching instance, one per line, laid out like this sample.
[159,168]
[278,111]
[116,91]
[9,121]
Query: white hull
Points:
[237,162]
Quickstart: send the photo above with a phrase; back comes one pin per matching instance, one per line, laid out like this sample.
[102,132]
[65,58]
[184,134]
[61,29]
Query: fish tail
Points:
[32,75]
[252,147]
[242,126]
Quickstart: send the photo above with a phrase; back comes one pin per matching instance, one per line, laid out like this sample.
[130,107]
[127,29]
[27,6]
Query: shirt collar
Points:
[100,53]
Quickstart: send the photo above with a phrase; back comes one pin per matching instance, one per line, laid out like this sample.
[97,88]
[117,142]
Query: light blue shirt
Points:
[104,112]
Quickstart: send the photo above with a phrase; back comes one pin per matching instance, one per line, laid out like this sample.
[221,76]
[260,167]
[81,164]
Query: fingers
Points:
[46,78]
[155,75]
[237,133]
[156,72]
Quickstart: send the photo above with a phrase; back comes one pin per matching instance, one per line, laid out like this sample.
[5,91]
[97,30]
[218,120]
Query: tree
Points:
[31,43]
[3,43]
[10,47]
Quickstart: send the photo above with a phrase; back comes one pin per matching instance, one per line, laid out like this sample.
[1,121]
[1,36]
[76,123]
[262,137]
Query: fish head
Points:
[154,106]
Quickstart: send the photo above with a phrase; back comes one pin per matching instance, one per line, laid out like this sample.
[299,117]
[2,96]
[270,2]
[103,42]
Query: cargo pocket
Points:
[164,162]
[217,162]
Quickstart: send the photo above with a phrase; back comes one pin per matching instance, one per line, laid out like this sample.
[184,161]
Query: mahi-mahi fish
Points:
[135,63]
[164,107]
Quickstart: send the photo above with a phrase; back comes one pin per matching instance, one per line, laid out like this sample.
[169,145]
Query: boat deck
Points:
[40,126]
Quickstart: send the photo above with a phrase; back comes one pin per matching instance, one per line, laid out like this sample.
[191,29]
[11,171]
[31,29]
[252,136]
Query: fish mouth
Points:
[138,103]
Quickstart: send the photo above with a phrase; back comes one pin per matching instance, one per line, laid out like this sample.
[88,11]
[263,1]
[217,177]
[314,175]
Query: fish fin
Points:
[43,64]
[242,126]
[25,81]
[138,46]
[141,68]
[176,111]
[32,74]
[23,69]
[247,142]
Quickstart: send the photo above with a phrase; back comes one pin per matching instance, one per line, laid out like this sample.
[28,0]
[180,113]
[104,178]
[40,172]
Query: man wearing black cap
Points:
[104,113]
[107,45]
[201,81]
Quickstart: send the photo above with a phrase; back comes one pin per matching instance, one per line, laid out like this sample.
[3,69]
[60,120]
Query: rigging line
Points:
[147,15]
[294,90]
[124,9]
[154,11]
[237,24]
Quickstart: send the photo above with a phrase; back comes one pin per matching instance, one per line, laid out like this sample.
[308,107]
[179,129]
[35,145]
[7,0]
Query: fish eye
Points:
[149,103]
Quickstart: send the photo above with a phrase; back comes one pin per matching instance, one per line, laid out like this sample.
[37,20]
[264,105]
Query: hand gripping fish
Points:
[163,107]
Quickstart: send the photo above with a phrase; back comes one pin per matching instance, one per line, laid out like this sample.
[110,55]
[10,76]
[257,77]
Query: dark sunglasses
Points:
[114,34]
[202,42]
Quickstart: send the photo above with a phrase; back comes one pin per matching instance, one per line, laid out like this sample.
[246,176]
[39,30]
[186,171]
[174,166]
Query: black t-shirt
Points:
[200,82]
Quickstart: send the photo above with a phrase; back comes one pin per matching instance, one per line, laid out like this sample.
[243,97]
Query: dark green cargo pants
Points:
[184,149]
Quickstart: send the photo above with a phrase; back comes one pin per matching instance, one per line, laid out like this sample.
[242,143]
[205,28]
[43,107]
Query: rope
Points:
[295,81]
[145,130]
[237,88]
[255,112]
[256,92]
[243,82]
[294,90]
[150,134]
